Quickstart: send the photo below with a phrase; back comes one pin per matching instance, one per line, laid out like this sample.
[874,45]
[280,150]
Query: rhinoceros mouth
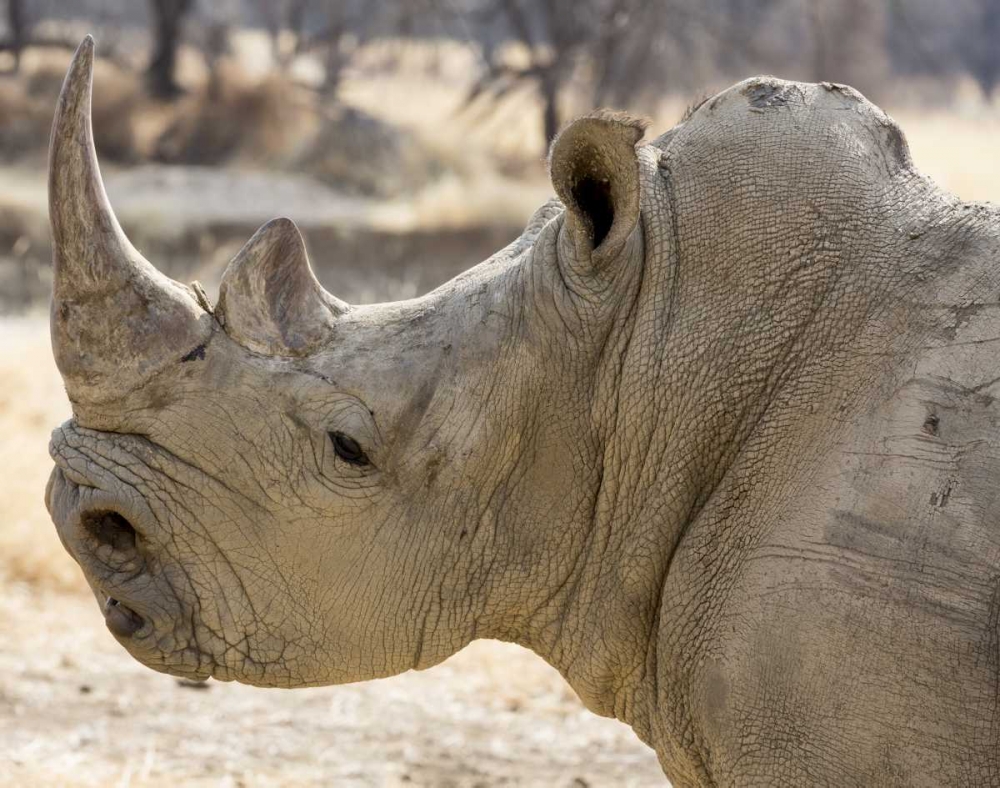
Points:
[122,620]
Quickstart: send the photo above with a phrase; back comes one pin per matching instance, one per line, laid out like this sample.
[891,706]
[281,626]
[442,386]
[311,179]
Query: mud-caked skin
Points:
[717,437]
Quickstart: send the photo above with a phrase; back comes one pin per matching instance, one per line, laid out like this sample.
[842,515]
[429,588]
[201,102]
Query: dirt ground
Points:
[76,710]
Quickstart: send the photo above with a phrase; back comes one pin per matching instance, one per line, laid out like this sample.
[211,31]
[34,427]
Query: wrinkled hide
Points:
[716,436]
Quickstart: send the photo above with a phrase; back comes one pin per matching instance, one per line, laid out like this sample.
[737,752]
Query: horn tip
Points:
[73,107]
[85,52]
[81,68]
[280,225]
[279,233]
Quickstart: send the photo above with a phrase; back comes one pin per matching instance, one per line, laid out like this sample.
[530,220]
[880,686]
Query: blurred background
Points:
[407,139]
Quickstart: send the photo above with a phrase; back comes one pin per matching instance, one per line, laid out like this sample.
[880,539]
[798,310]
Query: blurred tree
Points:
[983,54]
[624,52]
[168,21]
[212,33]
[281,17]
[943,40]
[848,42]
[331,28]
[23,25]
[16,27]
[557,37]
[345,25]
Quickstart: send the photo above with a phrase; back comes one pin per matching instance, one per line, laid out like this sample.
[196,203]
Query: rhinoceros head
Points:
[287,490]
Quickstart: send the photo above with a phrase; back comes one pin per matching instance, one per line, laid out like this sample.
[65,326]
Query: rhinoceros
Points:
[717,436]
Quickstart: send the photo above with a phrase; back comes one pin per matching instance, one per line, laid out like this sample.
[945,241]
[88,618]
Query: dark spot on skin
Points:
[931,424]
[416,409]
[896,142]
[766,96]
[962,314]
[837,87]
[941,500]
[861,534]
[433,467]
[993,629]
[198,354]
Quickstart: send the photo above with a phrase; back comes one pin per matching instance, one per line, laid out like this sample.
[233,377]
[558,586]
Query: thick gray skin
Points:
[733,472]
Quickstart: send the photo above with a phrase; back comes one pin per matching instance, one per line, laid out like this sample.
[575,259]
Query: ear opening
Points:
[593,196]
[595,172]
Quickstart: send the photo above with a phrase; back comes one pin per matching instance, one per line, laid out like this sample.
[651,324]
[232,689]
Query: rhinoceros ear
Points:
[270,301]
[595,172]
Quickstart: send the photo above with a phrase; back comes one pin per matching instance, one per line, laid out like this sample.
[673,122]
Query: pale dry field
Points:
[75,710]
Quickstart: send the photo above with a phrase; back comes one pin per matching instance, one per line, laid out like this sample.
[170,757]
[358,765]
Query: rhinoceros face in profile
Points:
[286,490]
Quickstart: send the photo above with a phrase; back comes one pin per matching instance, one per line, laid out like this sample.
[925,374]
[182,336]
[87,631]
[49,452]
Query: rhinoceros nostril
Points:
[110,528]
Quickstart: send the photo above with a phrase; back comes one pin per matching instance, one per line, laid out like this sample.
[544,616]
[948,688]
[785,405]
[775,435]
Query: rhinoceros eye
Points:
[348,449]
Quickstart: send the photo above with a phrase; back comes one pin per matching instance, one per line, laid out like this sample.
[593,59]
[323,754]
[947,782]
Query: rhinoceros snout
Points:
[102,539]
[94,528]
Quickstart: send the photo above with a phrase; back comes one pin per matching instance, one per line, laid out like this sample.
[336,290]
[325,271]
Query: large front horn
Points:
[115,319]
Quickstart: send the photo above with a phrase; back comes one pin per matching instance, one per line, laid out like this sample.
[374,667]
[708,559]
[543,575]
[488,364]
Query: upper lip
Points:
[109,565]
[71,474]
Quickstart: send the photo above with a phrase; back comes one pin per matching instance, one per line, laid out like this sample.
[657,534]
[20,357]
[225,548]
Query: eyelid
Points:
[345,414]
[353,454]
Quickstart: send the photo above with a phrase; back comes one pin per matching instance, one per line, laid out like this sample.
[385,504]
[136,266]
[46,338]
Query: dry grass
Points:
[957,149]
[495,154]
[32,402]
[235,116]
[27,103]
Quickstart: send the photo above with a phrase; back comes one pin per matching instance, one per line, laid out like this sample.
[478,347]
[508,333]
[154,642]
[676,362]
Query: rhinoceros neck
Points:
[705,381]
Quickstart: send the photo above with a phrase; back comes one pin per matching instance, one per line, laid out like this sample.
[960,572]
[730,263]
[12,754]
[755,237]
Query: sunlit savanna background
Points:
[407,139]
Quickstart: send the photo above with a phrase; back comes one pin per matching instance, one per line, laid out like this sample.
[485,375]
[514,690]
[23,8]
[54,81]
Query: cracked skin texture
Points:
[717,439]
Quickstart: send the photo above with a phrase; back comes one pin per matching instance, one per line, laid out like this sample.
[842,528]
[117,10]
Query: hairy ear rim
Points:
[639,123]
